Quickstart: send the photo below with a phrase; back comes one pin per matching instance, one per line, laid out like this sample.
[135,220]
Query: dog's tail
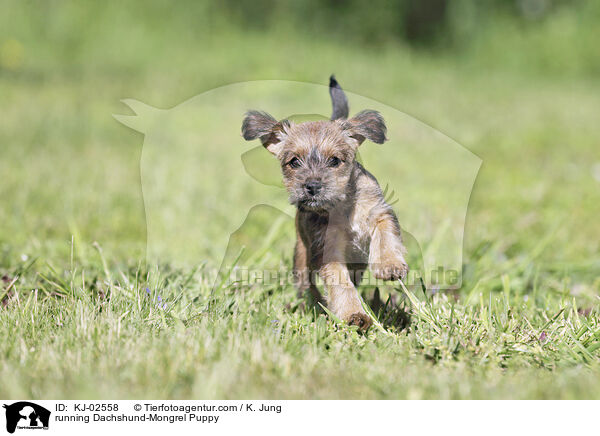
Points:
[338,100]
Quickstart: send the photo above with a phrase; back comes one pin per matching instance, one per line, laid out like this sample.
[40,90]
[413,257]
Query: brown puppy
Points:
[343,223]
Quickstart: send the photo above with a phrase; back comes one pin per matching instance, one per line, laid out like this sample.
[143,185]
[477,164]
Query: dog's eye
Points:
[294,163]
[334,162]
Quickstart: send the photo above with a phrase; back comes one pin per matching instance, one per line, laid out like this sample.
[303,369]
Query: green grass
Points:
[77,320]
[108,338]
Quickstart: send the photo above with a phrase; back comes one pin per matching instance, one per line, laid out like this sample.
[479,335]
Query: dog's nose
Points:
[312,187]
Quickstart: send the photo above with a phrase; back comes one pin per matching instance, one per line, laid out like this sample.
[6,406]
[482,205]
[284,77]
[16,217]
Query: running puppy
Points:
[343,223]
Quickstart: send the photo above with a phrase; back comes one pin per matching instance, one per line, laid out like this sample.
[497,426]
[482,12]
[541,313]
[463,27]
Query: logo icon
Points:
[26,415]
[209,181]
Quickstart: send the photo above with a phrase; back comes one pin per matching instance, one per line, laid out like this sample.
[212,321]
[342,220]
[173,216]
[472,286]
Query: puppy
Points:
[343,223]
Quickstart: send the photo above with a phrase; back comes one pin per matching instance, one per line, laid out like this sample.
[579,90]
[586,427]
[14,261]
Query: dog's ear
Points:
[367,124]
[263,126]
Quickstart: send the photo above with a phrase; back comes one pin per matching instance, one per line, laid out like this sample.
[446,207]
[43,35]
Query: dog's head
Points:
[317,157]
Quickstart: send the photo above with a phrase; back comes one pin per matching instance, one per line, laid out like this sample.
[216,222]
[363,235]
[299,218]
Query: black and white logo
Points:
[26,415]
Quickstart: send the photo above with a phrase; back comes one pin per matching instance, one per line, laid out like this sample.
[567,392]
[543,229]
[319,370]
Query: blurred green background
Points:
[514,81]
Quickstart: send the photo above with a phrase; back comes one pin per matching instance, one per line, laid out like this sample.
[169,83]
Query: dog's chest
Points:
[354,225]
[359,235]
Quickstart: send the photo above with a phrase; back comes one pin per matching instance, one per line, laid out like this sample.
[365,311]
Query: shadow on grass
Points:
[393,314]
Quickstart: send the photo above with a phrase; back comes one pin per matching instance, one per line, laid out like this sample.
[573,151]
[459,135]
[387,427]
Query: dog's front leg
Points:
[303,276]
[386,251]
[342,297]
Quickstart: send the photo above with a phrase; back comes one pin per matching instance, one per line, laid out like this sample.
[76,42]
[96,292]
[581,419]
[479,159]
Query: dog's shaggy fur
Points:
[343,223]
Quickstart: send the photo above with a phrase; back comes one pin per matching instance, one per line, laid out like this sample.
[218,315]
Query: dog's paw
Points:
[361,320]
[390,271]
